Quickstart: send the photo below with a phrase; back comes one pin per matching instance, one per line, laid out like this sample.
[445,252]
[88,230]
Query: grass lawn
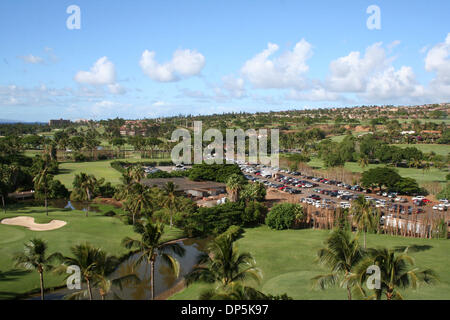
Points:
[101,231]
[286,259]
[100,169]
[441,149]
[434,175]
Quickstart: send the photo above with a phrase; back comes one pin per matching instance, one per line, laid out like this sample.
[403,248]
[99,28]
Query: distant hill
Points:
[6,121]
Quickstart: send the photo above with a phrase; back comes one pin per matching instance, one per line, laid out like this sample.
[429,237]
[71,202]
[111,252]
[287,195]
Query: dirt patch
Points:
[28,222]
[109,201]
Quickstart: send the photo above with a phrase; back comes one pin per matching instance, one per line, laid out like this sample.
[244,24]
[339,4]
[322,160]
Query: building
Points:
[58,123]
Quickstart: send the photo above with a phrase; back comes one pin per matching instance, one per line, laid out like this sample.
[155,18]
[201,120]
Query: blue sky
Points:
[140,59]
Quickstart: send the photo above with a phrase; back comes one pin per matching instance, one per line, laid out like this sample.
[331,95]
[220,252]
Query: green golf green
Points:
[97,229]
[287,261]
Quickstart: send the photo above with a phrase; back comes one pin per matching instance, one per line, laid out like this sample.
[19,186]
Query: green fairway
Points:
[101,169]
[286,259]
[101,231]
[441,149]
[433,175]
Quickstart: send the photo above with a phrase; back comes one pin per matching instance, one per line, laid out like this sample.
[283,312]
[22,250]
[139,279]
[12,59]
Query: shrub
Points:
[215,220]
[253,213]
[106,190]
[79,157]
[213,172]
[109,213]
[165,163]
[282,216]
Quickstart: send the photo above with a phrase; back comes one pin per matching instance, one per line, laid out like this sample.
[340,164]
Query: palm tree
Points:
[41,182]
[34,257]
[363,161]
[341,254]
[396,272]
[235,291]
[426,166]
[135,173]
[138,200]
[363,215]
[85,185]
[105,265]
[224,265]
[170,201]
[87,258]
[150,246]
[234,186]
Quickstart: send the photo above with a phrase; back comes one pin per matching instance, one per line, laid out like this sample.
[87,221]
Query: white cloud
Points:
[160,104]
[391,84]
[184,63]
[285,71]
[31,59]
[116,88]
[102,72]
[351,73]
[315,94]
[393,44]
[438,61]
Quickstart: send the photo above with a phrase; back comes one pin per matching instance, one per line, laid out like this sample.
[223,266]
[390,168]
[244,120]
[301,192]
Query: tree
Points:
[84,186]
[34,257]
[170,201]
[341,255]
[138,200]
[150,246]
[135,173]
[100,274]
[396,272]
[363,161]
[283,215]
[380,176]
[254,192]
[363,215]
[235,184]
[87,258]
[253,213]
[41,181]
[118,143]
[408,186]
[224,265]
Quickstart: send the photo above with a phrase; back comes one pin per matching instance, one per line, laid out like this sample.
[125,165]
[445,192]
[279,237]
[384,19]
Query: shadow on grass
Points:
[413,248]
[13,275]
[64,171]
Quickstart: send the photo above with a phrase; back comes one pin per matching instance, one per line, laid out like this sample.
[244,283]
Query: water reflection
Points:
[164,277]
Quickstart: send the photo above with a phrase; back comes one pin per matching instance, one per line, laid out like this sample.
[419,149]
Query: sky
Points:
[145,59]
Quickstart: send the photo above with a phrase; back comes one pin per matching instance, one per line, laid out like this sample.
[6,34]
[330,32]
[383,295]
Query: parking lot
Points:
[329,194]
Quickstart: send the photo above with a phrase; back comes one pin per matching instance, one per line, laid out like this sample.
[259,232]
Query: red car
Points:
[282,188]
[426,201]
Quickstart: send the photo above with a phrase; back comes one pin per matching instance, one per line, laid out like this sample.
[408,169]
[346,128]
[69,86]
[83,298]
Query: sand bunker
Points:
[29,223]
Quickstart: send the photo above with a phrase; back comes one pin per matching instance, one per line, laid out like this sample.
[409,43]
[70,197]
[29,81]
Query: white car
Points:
[345,205]
[418,198]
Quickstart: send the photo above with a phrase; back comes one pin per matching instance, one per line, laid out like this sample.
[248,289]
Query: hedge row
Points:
[119,165]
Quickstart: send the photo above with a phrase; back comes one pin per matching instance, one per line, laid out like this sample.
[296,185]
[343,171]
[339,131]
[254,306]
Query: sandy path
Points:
[29,223]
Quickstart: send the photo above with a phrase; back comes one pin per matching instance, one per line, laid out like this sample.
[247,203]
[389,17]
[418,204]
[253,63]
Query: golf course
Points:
[287,261]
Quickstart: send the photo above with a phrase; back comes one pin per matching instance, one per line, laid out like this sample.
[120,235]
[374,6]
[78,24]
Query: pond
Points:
[164,278]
